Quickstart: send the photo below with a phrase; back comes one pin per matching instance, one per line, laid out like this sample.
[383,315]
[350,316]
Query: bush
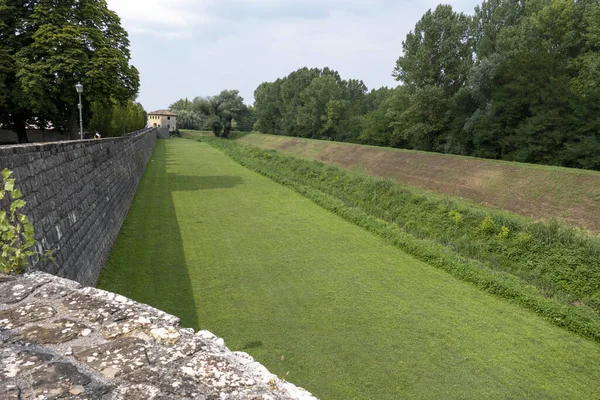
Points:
[456,217]
[488,226]
[504,232]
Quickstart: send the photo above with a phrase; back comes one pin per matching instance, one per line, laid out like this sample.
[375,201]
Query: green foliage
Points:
[504,232]
[487,226]
[189,115]
[438,52]
[524,237]
[17,244]
[116,119]
[314,103]
[222,110]
[455,216]
[52,45]
[542,266]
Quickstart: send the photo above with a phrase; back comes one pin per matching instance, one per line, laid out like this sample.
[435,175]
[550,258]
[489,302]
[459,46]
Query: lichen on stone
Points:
[59,340]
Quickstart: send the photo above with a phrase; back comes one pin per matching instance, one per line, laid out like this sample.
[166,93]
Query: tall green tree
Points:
[315,103]
[117,119]
[15,34]
[312,116]
[438,55]
[269,108]
[189,115]
[540,107]
[438,51]
[52,46]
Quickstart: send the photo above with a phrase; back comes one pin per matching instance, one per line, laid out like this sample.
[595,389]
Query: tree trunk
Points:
[19,126]
[226,128]
[74,123]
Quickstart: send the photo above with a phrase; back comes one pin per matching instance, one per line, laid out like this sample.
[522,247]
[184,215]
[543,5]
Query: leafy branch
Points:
[17,243]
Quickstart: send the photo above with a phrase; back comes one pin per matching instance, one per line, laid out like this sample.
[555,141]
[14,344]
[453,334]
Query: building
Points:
[163,119]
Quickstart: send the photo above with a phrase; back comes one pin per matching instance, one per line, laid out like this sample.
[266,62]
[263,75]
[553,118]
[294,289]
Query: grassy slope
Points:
[231,251]
[526,189]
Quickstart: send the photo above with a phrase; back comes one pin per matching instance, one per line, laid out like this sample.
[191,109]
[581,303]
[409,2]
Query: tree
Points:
[439,51]
[116,119]
[5,70]
[269,108]
[189,115]
[53,45]
[376,128]
[312,116]
[246,121]
[15,33]
[420,125]
[221,111]
[313,103]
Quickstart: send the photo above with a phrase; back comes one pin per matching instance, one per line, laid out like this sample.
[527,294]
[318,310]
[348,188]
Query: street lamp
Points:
[79,88]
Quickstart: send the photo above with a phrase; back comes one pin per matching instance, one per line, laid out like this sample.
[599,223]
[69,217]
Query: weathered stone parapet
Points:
[78,194]
[61,340]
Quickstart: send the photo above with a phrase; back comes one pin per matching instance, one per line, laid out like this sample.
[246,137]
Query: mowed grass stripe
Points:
[326,304]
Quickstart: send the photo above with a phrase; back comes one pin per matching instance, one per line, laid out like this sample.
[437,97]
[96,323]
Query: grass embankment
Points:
[546,267]
[323,302]
[536,191]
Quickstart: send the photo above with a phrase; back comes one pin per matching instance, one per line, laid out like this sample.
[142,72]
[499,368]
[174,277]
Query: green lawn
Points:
[321,301]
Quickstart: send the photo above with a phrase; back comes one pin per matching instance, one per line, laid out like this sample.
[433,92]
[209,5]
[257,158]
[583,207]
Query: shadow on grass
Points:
[147,262]
[252,345]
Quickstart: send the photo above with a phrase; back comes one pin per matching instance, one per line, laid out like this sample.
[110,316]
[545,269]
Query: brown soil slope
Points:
[537,191]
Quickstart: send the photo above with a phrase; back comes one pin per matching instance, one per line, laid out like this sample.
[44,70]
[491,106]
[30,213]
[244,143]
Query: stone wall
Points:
[33,135]
[59,340]
[163,133]
[78,194]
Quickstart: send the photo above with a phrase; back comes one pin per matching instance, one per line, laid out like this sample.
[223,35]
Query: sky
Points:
[189,48]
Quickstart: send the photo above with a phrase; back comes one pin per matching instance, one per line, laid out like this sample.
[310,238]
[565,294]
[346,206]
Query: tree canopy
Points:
[48,47]
[314,103]
[117,119]
[220,114]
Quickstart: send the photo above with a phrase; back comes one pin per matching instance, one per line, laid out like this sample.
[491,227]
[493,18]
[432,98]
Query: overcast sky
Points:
[188,48]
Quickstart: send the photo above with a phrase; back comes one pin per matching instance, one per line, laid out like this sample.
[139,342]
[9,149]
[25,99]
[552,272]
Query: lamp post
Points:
[79,88]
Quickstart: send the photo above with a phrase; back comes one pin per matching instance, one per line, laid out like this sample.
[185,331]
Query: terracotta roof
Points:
[163,112]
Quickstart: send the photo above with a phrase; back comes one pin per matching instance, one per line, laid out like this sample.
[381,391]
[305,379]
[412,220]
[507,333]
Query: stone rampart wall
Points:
[59,340]
[78,194]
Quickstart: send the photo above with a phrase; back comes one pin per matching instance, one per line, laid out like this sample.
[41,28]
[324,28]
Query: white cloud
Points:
[156,17]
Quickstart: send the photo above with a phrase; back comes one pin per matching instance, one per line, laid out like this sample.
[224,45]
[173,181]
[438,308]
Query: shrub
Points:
[456,217]
[487,226]
[504,232]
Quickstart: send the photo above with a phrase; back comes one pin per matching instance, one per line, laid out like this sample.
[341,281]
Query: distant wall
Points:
[163,133]
[78,194]
[34,136]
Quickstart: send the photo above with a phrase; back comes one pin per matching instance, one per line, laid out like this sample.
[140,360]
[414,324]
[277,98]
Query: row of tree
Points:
[117,119]
[46,47]
[518,80]
[314,103]
[221,113]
